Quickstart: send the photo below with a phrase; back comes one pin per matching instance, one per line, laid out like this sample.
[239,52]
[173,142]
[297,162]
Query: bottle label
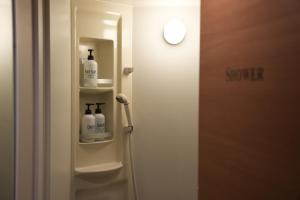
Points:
[87,133]
[89,71]
[100,126]
[90,128]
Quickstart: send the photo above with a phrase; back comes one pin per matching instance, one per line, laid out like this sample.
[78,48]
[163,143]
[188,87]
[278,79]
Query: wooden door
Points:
[250,100]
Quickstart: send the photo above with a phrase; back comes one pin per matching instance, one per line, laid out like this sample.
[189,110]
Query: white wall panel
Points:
[165,104]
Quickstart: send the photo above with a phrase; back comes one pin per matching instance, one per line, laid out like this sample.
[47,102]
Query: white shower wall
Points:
[6,101]
[165,101]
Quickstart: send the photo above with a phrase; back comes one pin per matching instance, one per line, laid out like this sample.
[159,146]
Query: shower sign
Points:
[245,74]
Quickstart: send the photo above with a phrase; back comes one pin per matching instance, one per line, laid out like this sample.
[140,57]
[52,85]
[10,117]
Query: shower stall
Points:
[147,86]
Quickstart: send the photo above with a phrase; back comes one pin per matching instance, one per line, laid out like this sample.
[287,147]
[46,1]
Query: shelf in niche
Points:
[101,168]
[96,142]
[95,90]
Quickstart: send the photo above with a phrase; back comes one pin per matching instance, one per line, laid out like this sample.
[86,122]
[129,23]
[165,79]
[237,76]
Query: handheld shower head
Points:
[121,98]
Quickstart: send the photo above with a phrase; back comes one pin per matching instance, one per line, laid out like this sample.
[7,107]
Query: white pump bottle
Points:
[90,71]
[100,123]
[87,126]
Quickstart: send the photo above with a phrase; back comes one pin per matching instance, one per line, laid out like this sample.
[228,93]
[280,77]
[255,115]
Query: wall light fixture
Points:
[174,31]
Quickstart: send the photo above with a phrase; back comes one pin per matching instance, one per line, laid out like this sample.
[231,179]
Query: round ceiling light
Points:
[174,31]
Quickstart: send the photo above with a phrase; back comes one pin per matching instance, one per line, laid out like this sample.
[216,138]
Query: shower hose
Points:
[131,155]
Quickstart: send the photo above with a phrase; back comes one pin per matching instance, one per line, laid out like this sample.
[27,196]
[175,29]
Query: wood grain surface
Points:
[249,140]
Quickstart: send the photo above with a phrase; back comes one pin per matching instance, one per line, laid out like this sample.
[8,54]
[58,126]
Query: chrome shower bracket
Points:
[128,70]
[128,129]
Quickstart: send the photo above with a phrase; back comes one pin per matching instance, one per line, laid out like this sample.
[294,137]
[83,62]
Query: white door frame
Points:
[42,80]
[24,100]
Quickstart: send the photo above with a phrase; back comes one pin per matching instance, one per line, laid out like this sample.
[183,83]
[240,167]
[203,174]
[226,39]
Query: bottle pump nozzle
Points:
[98,110]
[88,111]
[91,57]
